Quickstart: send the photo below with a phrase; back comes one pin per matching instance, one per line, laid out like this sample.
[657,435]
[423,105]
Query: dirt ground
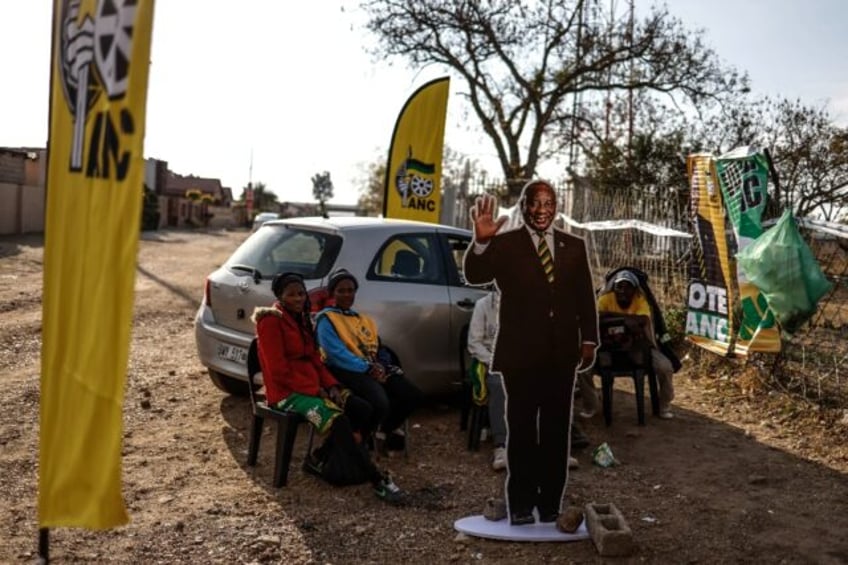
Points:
[733,478]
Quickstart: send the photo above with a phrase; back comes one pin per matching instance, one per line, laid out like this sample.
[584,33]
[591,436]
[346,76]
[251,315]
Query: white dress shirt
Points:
[483,328]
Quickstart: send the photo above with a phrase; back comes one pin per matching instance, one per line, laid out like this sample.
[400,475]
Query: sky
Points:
[276,91]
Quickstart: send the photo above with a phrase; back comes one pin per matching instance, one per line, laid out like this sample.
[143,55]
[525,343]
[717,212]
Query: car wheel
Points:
[230,385]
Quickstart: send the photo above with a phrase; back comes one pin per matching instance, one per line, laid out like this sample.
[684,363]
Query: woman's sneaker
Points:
[499,459]
[387,490]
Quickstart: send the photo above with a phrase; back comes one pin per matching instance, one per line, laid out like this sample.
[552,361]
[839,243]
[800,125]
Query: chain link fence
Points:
[814,361]
[662,256]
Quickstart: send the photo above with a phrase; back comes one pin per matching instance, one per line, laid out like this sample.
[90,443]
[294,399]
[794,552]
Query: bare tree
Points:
[526,63]
[809,152]
[371,187]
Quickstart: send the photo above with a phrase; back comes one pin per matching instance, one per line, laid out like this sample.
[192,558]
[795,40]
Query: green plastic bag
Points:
[783,267]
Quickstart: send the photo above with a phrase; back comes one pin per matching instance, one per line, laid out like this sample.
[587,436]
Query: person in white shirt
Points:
[481,339]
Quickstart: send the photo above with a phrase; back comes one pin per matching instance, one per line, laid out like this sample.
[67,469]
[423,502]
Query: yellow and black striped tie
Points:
[545,256]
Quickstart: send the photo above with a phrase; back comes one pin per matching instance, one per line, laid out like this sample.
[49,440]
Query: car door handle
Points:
[466,303]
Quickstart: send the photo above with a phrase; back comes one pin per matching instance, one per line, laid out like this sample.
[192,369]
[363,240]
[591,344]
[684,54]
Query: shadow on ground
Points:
[11,245]
[693,489]
[188,297]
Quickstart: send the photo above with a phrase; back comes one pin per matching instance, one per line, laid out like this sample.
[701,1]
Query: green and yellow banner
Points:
[98,91]
[743,178]
[414,167]
[709,316]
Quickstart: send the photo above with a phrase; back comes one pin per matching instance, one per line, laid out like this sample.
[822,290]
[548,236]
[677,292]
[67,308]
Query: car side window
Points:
[408,258]
[455,249]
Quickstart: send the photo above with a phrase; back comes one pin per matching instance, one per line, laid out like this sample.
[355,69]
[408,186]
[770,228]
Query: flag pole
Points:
[43,546]
[44,533]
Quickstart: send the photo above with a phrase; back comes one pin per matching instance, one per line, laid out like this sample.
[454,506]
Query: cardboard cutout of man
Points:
[547,329]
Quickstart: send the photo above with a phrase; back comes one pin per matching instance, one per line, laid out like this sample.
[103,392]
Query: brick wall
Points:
[21,209]
[12,167]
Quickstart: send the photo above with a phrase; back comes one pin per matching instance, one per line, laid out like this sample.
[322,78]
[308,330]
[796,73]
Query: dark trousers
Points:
[356,418]
[538,416]
[391,402]
[359,412]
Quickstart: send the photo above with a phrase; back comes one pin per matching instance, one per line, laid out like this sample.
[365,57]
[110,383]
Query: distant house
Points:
[22,175]
[183,200]
[193,201]
[180,186]
[227,194]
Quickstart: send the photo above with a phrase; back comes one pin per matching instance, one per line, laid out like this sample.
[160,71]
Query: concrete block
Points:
[609,530]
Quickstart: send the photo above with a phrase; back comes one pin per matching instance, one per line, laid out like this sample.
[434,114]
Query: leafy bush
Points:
[675,322]
[149,211]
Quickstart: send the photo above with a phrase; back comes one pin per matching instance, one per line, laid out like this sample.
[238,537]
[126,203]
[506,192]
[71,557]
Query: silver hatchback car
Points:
[410,282]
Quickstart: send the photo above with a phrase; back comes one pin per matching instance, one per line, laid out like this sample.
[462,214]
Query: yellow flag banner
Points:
[709,316]
[98,90]
[414,169]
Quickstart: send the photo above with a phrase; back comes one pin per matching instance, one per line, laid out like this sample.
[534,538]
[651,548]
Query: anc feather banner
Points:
[98,91]
[412,188]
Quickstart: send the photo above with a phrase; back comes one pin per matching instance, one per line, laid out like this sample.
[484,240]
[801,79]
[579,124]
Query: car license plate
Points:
[232,353]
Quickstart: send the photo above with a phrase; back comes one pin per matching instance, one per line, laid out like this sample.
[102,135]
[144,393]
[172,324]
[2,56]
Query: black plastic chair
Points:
[472,416]
[626,352]
[477,418]
[287,423]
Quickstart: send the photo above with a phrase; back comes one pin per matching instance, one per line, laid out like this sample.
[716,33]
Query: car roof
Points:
[346,223]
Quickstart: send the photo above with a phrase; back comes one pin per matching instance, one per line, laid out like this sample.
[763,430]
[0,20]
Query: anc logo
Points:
[95,58]
[412,184]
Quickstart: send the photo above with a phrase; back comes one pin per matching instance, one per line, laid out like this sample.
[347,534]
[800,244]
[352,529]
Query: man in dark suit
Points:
[548,327]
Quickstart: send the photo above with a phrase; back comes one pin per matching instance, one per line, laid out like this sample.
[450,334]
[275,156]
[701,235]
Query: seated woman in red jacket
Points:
[296,380]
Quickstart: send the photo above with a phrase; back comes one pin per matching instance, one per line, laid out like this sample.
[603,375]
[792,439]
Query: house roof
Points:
[177,185]
[22,152]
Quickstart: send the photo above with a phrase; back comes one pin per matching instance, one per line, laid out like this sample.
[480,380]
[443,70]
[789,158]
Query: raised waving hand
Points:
[483,217]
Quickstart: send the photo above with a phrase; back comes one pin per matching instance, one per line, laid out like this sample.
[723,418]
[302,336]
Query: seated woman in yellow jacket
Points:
[350,343]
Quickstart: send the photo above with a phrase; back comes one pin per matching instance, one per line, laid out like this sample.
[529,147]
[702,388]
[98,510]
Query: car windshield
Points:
[280,249]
